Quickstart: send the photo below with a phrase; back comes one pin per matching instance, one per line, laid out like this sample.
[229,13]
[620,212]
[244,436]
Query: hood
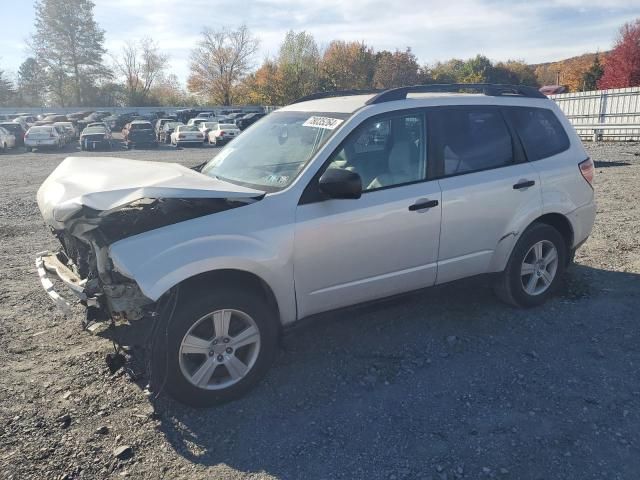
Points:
[105,183]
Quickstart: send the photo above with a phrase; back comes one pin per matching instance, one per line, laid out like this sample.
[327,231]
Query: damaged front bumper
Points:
[51,263]
[120,300]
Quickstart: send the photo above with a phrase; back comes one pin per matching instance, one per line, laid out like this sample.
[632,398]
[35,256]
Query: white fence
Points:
[603,114]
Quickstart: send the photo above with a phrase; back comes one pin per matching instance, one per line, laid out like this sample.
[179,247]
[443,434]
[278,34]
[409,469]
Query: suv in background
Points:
[326,203]
[139,133]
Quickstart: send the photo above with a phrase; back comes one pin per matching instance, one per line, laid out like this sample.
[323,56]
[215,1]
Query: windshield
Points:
[271,154]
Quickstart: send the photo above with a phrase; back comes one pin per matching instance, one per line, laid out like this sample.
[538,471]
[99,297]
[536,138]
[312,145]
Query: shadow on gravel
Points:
[615,163]
[445,380]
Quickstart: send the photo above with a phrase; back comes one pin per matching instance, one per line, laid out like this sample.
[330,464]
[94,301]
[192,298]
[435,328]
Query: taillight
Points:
[221,134]
[587,169]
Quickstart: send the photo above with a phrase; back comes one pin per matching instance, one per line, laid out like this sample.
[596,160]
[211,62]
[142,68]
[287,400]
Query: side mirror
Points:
[339,183]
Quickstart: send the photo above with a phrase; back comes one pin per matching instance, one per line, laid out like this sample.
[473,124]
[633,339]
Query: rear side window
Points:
[541,132]
[471,139]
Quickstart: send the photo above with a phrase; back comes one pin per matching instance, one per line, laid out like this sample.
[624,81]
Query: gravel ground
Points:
[445,384]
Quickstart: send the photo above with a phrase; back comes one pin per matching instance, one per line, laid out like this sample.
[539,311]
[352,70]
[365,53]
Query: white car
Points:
[43,136]
[187,135]
[7,140]
[223,133]
[206,127]
[71,131]
[323,204]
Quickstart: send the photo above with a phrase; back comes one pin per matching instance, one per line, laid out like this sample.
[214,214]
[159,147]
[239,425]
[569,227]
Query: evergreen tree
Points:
[592,76]
[7,91]
[69,45]
[32,84]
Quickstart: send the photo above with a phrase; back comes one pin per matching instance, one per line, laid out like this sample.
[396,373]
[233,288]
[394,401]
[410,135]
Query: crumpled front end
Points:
[92,204]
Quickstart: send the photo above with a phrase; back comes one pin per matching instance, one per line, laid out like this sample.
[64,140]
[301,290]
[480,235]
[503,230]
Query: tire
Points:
[532,289]
[192,312]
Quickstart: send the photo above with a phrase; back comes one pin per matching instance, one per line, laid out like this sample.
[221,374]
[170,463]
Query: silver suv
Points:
[332,201]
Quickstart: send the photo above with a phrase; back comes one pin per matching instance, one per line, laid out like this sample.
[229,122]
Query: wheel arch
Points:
[508,242]
[229,276]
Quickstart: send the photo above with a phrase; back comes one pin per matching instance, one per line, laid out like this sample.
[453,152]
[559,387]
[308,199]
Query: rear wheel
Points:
[535,269]
[216,347]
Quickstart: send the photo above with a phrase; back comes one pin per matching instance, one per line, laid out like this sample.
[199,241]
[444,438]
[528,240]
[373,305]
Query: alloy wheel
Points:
[219,349]
[539,267]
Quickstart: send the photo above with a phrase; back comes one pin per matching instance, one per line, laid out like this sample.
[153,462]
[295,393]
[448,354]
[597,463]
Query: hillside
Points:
[570,70]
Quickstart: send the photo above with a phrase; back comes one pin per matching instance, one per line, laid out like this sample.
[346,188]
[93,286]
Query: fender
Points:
[160,259]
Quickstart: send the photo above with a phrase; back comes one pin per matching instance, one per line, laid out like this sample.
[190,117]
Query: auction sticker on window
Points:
[322,122]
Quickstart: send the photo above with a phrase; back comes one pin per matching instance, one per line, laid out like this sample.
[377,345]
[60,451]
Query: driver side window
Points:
[385,152]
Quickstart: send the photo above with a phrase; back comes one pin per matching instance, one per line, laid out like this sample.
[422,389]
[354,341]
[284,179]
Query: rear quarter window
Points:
[540,131]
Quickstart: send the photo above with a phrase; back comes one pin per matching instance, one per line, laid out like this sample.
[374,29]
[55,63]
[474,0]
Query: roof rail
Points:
[335,93]
[491,89]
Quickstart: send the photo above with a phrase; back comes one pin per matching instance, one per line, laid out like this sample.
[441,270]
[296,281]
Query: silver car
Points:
[323,204]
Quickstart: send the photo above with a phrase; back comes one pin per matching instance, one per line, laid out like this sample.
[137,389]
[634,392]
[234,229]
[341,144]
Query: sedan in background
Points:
[223,133]
[248,119]
[7,140]
[167,130]
[70,130]
[43,136]
[17,131]
[206,127]
[187,135]
[94,138]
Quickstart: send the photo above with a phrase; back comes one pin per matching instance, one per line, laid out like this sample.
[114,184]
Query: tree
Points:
[69,45]
[220,62]
[264,86]
[514,72]
[347,65]
[140,64]
[396,69]
[7,91]
[447,72]
[298,65]
[622,67]
[593,75]
[32,85]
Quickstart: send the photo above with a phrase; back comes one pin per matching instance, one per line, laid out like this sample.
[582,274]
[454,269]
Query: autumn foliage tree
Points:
[622,68]
[347,65]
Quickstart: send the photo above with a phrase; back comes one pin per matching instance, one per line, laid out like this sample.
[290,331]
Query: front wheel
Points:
[535,269]
[216,347]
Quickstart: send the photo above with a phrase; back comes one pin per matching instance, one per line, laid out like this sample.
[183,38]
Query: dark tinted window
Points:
[541,132]
[472,139]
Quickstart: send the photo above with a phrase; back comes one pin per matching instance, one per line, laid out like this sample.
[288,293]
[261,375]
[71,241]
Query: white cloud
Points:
[436,29]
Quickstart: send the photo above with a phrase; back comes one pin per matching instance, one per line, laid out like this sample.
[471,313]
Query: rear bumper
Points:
[41,143]
[48,265]
[582,220]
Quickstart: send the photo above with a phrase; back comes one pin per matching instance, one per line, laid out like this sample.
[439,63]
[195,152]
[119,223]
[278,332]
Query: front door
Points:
[384,243]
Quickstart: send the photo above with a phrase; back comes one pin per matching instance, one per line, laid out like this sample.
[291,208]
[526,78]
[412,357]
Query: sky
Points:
[535,31]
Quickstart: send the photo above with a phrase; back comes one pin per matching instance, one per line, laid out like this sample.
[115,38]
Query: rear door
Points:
[486,183]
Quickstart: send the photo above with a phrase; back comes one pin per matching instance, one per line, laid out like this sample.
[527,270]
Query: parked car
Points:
[51,119]
[167,130]
[184,115]
[196,121]
[96,138]
[66,137]
[43,136]
[206,115]
[139,133]
[70,130]
[223,133]
[17,131]
[42,116]
[117,122]
[304,213]
[28,119]
[206,127]
[159,124]
[99,124]
[7,139]
[248,120]
[186,135]
[74,117]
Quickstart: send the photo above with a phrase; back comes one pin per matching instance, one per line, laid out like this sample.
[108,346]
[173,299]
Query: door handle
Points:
[422,204]
[524,184]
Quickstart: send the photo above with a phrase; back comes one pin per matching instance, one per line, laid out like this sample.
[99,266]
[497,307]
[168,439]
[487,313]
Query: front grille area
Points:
[78,252]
